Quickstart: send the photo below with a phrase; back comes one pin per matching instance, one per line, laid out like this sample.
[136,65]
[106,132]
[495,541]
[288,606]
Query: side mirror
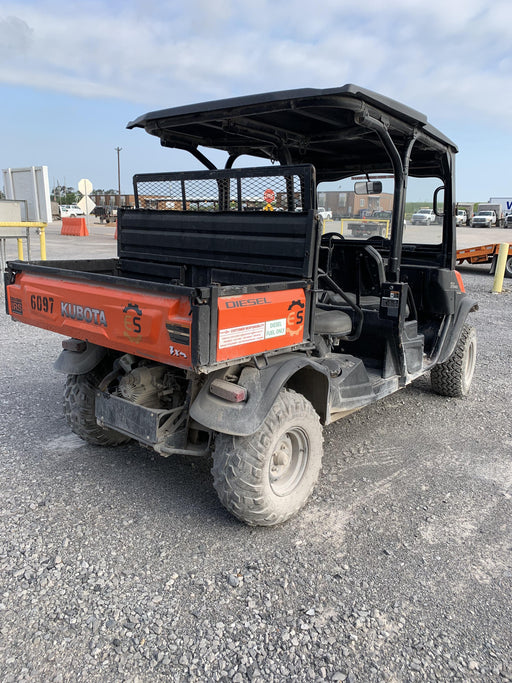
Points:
[368,187]
[436,193]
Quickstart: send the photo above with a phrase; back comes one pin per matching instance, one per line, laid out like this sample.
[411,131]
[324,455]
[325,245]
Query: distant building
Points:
[114,200]
[345,204]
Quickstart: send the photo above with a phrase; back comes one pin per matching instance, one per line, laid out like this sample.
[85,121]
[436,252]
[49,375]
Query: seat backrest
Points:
[355,267]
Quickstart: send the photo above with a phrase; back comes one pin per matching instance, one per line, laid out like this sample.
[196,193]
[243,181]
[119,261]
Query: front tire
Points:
[454,376]
[265,478]
[79,409]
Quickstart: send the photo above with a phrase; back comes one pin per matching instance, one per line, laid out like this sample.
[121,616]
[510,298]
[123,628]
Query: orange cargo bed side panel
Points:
[132,321]
[254,323]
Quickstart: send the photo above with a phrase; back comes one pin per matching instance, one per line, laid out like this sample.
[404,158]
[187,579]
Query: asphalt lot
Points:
[101,243]
[118,565]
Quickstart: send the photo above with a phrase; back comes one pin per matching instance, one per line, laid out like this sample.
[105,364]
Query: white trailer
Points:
[505,202]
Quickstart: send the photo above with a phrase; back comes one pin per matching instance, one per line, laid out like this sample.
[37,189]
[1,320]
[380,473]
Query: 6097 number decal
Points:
[42,304]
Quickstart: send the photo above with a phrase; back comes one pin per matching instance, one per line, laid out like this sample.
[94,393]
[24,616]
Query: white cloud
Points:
[436,56]
[15,36]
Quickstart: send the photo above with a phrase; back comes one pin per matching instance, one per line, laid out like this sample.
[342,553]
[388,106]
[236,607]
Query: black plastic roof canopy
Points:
[338,130]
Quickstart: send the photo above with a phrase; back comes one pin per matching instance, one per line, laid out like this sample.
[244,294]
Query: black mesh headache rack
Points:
[249,189]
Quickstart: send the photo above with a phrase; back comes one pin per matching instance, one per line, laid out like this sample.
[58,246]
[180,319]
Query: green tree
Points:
[64,195]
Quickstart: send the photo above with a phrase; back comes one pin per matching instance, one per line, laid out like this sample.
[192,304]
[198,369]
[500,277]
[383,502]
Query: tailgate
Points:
[130,320]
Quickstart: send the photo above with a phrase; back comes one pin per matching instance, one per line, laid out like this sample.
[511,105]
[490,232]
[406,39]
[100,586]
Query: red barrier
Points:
[74,226]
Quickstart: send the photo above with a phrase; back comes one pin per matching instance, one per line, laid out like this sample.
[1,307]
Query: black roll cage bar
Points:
[333,129]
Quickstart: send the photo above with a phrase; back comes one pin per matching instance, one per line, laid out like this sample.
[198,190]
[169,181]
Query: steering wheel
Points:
[326,237]
[379,241]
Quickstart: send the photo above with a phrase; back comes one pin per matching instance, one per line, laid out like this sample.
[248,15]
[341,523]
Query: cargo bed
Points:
[190,290]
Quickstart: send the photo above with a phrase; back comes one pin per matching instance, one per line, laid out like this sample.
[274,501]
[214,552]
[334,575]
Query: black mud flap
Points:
[80,362]
[467,306]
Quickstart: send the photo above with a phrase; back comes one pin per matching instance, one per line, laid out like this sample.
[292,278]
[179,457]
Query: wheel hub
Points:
[281,457]
[288,461]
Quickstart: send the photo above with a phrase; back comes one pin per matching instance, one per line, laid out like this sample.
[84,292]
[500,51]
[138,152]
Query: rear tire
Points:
[79,409]
[454,376]
[265,478]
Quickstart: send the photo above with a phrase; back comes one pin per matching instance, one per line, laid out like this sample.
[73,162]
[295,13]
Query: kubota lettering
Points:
[88,315]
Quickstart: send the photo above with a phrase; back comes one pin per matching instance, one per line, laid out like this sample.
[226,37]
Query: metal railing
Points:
[20,230]
[381,226]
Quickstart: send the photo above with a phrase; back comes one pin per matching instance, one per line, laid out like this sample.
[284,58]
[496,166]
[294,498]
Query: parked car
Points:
[70,211]
[508,221]
[423,217]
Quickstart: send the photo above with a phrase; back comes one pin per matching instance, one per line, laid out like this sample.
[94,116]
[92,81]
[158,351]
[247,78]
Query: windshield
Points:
[362,217]
[356,216]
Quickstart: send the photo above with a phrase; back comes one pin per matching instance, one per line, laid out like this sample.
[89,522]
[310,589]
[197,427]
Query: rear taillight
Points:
[229,391]
[77,345]
[459,280]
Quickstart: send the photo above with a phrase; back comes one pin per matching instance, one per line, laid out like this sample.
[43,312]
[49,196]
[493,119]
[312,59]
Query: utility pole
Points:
[118,149]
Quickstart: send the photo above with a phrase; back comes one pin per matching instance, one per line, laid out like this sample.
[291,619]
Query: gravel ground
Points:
[117,565]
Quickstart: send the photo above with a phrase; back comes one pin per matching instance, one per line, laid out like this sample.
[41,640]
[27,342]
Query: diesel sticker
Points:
[236,336]
[275,328]
[246,334]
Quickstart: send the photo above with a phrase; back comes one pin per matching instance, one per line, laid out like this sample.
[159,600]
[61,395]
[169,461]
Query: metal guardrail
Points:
[21,231]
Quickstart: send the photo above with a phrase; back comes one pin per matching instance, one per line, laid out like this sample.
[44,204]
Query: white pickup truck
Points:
[70,211]
[423,217]
[324,213]
[484,219]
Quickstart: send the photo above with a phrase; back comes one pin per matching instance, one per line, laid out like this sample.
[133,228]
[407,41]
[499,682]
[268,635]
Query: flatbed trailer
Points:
[487,253]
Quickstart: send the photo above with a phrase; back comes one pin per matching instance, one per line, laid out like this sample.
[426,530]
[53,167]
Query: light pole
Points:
[118,149]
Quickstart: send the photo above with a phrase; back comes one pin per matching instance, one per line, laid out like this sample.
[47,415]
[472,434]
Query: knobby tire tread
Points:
[240,464]
[79,410]
[447,379]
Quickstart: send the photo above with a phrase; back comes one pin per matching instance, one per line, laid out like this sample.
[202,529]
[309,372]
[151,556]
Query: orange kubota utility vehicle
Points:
[229,324]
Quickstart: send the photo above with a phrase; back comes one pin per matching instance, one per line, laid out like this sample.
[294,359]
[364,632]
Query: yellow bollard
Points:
[20,250]
[500,268]
[42,242]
